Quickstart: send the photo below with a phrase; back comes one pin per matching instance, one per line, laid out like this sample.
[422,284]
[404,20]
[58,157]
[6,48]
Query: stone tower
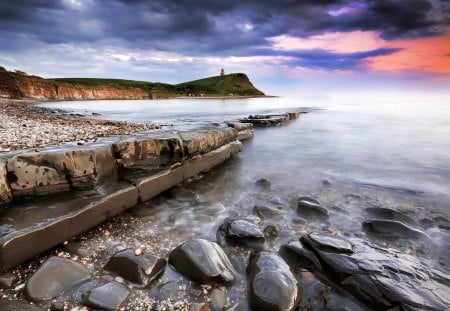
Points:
[222,72]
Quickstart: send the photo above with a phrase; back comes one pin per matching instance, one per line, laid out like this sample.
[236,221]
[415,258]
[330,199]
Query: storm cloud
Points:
[215,28]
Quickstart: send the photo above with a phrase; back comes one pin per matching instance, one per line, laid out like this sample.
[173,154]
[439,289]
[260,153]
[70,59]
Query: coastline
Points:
[26,126]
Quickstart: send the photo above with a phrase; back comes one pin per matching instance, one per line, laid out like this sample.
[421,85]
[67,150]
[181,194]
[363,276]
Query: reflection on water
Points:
[352,154]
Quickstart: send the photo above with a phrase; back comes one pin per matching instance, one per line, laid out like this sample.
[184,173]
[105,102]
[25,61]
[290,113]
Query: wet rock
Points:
[328,243]
[7,280]
[55,276]
[268,211]
[382,278]
[240,231]
[392,228]
[308,205]
[389,214]
[277,201]
[299,256]
[263,182]
[137,269]
[219,299]
[326,182]
[202,261]
[272,286]
[57,306]
[109,296]
[267,120]
[14,305]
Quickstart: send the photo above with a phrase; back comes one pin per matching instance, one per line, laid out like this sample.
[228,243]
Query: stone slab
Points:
[28,228]
[204,140]
[40,173]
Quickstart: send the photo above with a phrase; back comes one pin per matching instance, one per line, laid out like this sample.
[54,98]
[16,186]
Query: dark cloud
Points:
[215,27]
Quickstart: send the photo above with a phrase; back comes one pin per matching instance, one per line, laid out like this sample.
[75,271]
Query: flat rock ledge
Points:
[267,120]
[49,196]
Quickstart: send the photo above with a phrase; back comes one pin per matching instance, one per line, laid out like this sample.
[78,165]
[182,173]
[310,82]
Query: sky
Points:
[284,46]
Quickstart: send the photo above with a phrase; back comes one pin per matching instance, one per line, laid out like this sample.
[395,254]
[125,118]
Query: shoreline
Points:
[26,126]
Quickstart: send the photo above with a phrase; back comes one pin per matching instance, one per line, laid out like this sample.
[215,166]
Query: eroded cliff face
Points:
[21,86]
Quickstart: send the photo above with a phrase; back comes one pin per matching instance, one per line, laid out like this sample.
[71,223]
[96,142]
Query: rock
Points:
[390,214]
[57,306]
[308,205]
[219,299]
[240,231]
[300,257]
[382,278]
[7,280]
[277,201]
[56,275]
[271,231]
[109,296]
[263,182]
[392,228]
[202,261]
[137,269]
[14,305]
[268,211]
[328,243]
[272,286]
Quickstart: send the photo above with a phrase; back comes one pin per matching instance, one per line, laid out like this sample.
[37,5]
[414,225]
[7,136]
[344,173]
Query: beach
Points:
[25,126]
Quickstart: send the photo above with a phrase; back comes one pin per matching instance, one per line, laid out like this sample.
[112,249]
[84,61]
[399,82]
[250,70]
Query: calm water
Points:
[372,151]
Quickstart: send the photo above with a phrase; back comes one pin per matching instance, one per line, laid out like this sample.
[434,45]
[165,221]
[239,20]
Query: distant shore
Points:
[27,126]
[226,97]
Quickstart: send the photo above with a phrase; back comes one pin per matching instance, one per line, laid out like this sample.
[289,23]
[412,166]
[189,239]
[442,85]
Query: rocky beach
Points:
[260,245]
[25,126]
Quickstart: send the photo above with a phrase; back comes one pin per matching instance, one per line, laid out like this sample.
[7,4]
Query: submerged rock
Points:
[272,285]
[137,269]
[240,231]
[392,228]
[109,296]
[202,261]
[55,276]
[390,214]
[381,277]
[7,280]
[263,182]
[268,211]
[219,299]
[308,205]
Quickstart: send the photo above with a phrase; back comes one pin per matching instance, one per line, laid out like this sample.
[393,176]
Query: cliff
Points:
[19,85]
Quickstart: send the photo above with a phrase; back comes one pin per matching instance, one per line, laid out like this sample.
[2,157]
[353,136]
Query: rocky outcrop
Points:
[381,277]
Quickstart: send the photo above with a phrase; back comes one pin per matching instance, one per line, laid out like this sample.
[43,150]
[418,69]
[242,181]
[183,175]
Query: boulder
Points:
[109,296]
[310,206]
[240,231]
[141,270]
[202,261]
[271,284]
[56,275]
[392,228]
[381,277]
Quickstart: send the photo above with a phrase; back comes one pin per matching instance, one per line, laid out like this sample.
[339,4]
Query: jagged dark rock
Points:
[299,256]
[381,277]
[268,211]
[240,231]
